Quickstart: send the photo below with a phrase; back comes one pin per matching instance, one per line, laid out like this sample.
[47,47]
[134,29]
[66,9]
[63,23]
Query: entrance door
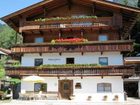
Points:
[65,88]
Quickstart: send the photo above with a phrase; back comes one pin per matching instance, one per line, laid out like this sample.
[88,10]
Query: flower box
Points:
[69,40]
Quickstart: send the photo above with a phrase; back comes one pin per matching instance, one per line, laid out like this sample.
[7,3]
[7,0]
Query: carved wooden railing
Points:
[74,47]
[70,23]
[72,71]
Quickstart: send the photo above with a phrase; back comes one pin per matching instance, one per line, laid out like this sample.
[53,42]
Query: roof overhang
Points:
[5,51]
[14,18]
[132,60]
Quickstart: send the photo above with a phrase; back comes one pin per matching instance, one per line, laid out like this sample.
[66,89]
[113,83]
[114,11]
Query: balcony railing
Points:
[74,47]
[72,71]
[69,23]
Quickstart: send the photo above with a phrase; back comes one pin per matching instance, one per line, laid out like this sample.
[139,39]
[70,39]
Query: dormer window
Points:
[39,40]
[103,38]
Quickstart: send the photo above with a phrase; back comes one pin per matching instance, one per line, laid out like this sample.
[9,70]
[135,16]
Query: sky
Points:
[10,6]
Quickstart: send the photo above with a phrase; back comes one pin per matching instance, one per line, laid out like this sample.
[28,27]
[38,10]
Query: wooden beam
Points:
[13,25]
[45,11]
[41,32]
[94,8]
[69,4]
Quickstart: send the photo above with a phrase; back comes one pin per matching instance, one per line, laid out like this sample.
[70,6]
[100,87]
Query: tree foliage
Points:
[8,37]
[2,72]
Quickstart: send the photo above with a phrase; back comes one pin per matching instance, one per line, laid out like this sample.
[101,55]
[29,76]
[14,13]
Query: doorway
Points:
[65,88]
[131,88]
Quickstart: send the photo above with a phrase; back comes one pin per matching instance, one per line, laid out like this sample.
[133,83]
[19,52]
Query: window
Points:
[103,61]
[103,38]
[104,87]
[39,40]
[40,87]
[38,62]
[69,60]
[81,23]
[66,86]
[78,86]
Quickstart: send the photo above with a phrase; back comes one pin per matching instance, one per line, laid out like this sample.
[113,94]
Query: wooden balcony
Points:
[82,23]
[74,47]
[72,71]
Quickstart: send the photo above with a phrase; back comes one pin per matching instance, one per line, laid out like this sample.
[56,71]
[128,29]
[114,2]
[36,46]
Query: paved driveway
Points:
[130,101]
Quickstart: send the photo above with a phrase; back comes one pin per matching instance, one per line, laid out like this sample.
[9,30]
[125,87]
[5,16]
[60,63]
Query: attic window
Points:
[78,86]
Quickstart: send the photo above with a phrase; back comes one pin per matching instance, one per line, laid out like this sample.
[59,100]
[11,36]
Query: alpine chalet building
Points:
[77,46]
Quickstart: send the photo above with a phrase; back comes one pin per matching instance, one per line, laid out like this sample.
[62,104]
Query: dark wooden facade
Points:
[73,71]
[112,46]
[76,20]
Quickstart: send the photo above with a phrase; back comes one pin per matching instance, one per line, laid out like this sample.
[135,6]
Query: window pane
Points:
[39,40]
[104,87]
[103,38]
[69,60]
[66,86]
[78,86]
[38,62]
[40,87]
[100,87]
[103,61]
[37,87]
[107,87]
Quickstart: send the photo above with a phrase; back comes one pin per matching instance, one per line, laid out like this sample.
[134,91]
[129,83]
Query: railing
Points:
[73,71]
[74,47]
[70,23]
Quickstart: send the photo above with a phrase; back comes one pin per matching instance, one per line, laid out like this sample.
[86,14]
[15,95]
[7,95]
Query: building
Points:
[77,46]
[132,84]
[4,52]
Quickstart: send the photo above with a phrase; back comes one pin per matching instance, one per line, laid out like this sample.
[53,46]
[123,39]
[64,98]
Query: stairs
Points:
[128,27]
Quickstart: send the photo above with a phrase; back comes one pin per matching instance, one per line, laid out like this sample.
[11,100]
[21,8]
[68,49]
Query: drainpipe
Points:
[139,88]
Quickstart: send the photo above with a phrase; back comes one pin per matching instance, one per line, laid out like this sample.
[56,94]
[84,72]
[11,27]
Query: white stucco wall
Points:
[114,58]
[89,87]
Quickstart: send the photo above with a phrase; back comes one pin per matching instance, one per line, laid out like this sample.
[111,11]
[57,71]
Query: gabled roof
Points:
[5,51]
[13,19]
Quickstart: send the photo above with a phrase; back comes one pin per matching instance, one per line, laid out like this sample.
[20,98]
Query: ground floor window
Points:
[40,87]
[104,87]
[78,85]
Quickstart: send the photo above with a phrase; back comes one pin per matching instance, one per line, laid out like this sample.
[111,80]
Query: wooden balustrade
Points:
[69,23]
[79,47]
[74,71]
